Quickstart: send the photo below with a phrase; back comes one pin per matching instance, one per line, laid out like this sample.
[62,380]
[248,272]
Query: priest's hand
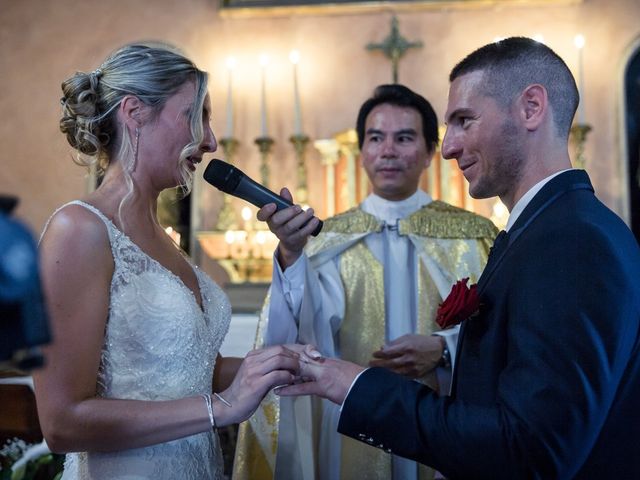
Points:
[411,355]
[292,226]
[329,378]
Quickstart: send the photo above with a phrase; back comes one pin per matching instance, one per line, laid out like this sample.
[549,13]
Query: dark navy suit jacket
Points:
[547,380]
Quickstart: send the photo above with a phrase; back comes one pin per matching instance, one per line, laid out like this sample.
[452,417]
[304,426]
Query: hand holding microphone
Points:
[287,221]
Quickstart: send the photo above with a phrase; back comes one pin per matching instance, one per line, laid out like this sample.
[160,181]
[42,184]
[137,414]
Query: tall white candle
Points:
[231,63]
[579,43]
[264,131]
[294,56]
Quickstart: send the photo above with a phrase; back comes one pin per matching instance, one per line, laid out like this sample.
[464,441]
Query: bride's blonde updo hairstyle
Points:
[152,73]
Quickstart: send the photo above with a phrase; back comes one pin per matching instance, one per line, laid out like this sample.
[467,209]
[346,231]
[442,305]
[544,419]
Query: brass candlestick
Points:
[579,133]
[227,217]
[229,145]
[264,145]
[299,144]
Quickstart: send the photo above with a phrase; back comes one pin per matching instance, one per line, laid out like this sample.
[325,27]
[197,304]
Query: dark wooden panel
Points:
[18,414]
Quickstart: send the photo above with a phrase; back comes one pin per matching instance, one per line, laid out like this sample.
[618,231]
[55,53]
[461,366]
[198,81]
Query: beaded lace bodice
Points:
[159,345]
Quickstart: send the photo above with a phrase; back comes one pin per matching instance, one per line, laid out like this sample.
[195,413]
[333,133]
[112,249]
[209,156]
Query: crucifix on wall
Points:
[394,47]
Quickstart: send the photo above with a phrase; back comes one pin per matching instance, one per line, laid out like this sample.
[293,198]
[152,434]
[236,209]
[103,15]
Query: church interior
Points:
[286,79]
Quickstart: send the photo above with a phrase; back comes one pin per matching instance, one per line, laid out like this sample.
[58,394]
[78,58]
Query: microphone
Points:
[233,181]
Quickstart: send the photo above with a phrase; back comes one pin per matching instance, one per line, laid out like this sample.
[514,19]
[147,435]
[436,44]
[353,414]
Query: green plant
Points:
[47,466]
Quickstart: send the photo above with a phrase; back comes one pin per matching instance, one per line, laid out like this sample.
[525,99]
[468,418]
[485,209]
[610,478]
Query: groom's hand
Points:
[328,378]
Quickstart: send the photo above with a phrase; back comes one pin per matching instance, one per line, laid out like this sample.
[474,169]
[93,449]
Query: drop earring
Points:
[135,149]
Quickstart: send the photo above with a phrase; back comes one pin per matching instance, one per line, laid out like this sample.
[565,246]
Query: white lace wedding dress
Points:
[159,345]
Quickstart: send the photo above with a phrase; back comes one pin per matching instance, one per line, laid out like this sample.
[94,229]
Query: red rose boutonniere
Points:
[459,305]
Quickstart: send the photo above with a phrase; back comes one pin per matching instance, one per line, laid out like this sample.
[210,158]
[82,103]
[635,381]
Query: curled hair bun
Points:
[90,103]
[81,118]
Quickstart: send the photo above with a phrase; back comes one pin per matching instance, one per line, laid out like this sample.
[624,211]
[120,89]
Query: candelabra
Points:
[579,133]
[245,253]
[227,217]
[264,145]
[299,144]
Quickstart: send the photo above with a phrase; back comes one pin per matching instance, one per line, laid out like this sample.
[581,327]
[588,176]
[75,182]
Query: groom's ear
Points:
[533,106]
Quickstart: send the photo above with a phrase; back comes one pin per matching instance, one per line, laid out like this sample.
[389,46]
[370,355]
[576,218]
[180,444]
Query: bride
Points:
[134,386]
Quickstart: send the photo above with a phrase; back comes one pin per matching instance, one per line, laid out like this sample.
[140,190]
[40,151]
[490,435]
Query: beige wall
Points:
[44,41]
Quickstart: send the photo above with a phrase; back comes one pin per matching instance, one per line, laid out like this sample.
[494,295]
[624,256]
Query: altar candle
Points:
[294,56]
[231,64]
[264,61]
[579,43]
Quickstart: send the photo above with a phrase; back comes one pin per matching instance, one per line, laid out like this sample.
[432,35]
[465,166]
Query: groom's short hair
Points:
[512,64]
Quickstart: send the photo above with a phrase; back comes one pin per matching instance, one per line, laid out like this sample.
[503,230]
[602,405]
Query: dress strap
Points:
[109,224]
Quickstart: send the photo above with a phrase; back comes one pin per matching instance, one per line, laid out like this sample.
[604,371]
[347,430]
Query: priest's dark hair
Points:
[401,96]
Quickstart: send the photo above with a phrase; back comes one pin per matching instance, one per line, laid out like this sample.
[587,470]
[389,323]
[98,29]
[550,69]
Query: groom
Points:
[547,382]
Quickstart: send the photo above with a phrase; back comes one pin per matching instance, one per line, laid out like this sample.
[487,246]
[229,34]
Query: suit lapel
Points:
[554,189]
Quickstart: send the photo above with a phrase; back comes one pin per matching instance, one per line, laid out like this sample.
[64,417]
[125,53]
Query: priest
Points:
[365,290]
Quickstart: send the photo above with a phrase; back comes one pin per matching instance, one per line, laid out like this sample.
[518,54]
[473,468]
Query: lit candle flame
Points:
[246,214]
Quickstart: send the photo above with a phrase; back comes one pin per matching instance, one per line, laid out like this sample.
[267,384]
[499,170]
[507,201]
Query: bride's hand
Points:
[260,371]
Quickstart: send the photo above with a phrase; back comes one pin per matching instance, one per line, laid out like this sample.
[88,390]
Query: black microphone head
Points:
[223,175]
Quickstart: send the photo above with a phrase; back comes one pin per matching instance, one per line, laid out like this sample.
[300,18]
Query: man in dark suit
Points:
[547,379]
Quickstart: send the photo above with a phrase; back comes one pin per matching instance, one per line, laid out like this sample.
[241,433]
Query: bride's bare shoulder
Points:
[76,229]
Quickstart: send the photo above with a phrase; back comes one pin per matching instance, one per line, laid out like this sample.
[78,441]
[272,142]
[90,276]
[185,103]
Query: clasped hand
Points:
[260,371]
[263,369]
[325,377]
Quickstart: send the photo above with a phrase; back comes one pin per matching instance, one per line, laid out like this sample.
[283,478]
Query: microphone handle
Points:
[258,195]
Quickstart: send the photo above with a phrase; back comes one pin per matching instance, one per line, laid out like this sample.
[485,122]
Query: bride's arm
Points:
[76,268]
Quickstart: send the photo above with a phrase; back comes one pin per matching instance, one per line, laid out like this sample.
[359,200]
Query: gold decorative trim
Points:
[353,221]
[436,220]
[441,220]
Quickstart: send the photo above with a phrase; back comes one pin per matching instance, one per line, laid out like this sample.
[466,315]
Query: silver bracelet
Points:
[219,397]
[207,400]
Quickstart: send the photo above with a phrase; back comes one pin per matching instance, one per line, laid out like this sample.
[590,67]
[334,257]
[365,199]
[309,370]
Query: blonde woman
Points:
[130,377]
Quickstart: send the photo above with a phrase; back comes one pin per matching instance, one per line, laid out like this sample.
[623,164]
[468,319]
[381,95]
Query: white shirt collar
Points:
[390,211]
[527,197]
